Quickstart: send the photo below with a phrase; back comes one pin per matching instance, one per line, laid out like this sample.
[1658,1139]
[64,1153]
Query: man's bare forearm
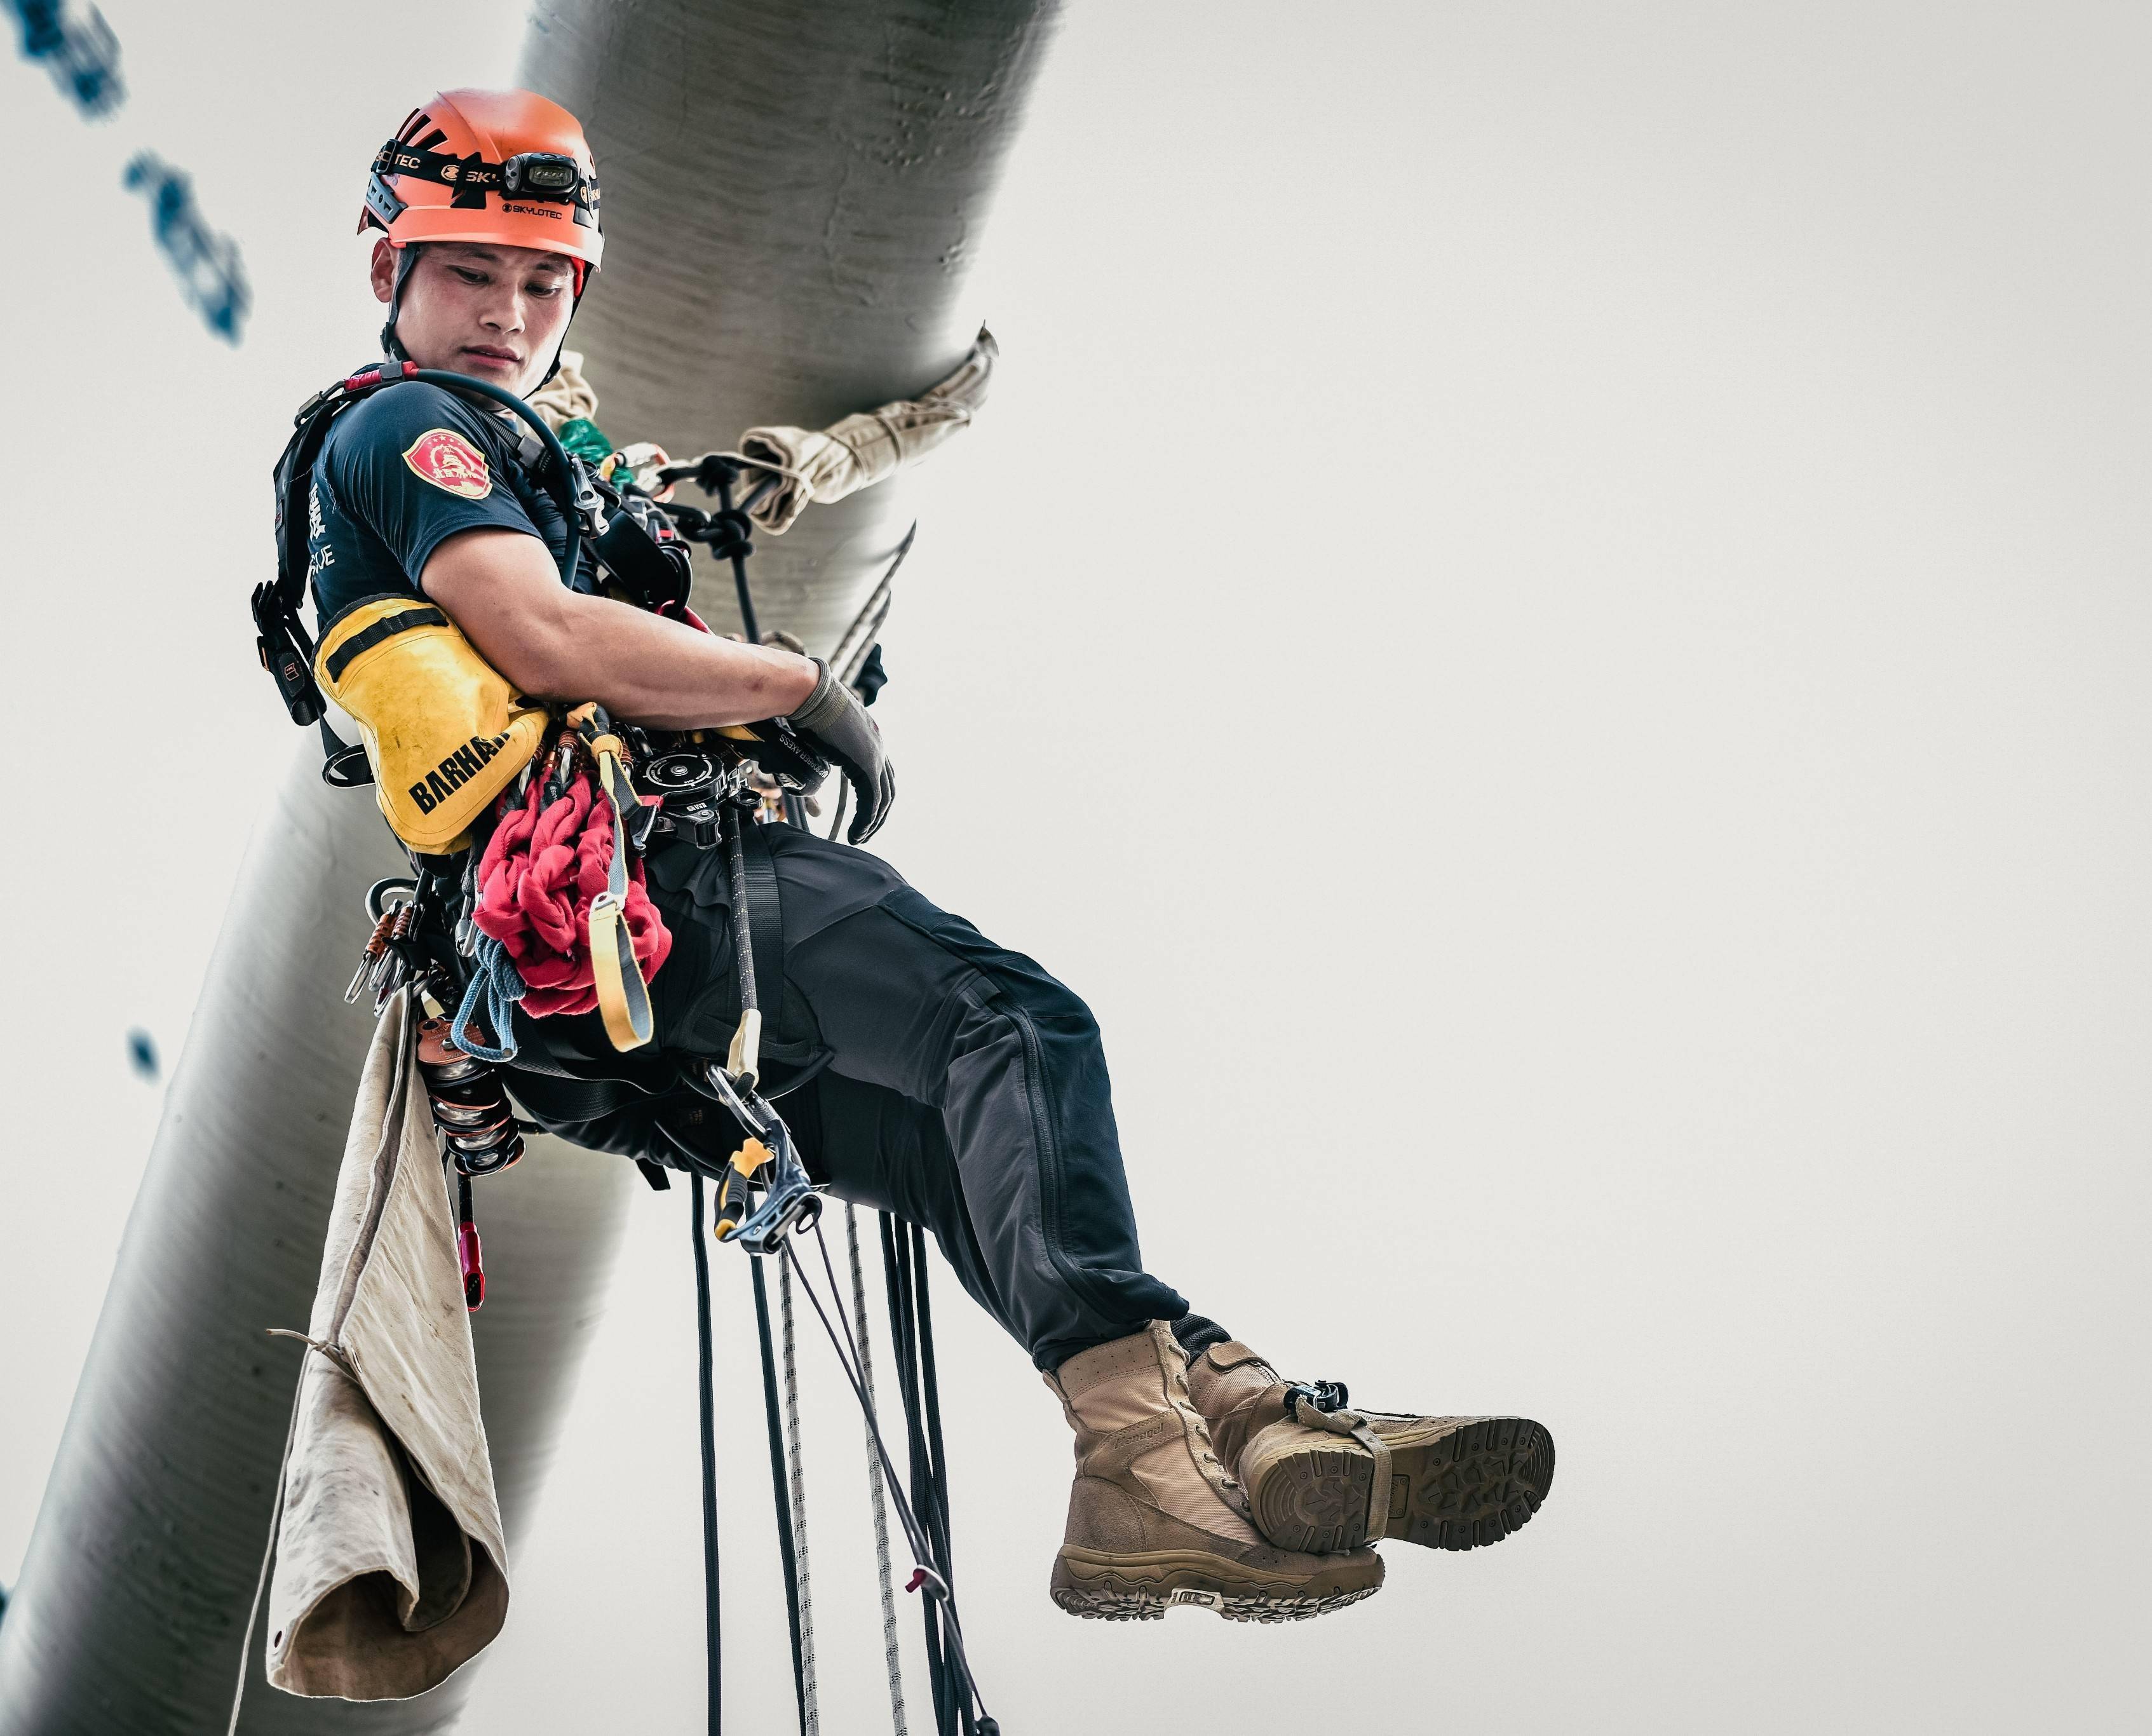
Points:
[649,670]
[501,588]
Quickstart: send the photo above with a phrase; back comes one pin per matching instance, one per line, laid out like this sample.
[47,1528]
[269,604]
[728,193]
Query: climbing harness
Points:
[444,734]
[526,826]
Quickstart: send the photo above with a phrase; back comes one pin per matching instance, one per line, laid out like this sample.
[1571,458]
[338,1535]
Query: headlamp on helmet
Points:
[541,175]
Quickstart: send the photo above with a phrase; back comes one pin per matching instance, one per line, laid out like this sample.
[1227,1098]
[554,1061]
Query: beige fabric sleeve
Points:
[391,1571]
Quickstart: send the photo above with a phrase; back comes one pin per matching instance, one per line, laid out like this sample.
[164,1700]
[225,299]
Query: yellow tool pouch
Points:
[443,730]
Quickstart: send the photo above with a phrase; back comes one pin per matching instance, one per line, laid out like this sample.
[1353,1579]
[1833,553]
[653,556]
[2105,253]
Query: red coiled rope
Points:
[545,864]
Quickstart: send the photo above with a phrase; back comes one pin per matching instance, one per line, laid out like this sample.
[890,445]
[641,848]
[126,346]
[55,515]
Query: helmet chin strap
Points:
[582,278]
[392,347]
[557,349]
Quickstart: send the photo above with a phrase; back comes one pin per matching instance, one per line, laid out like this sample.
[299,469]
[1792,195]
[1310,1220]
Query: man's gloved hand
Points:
[836,723]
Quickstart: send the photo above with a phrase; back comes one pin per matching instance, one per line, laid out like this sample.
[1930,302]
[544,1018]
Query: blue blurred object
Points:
[142,1051]
[207,262]
[82,54]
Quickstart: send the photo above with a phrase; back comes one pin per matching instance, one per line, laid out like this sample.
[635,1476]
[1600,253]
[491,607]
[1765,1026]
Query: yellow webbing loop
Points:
[623,997]
[623,994]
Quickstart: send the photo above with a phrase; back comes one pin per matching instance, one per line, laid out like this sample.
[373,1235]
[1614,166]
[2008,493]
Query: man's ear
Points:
[382,269]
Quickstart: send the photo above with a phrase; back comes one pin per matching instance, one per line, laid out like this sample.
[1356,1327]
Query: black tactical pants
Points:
[945,1079]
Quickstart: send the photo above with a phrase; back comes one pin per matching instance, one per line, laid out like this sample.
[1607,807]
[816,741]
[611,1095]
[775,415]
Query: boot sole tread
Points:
[1472,1484]
[1143,1587]
[1132,1603]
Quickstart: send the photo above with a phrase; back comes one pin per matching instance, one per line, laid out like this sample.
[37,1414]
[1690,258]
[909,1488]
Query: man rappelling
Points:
[535,698]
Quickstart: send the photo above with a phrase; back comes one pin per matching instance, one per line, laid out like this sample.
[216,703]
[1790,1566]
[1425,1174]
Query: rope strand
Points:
[926,1575]
[778,1483]
[810,1714]
[877,1495]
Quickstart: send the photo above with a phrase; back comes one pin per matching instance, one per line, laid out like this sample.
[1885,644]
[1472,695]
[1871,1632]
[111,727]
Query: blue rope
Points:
[495,987]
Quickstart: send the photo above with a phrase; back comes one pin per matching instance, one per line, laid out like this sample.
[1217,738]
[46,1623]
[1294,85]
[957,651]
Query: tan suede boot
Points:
[1154,1519]
[1320,1478]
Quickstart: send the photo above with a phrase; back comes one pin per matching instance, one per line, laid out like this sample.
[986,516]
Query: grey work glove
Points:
[835,721]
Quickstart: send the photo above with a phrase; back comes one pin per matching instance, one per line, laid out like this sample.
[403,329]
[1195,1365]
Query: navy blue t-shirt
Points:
[401,472]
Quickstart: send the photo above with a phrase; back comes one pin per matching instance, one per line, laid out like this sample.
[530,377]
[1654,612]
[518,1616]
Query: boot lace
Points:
[1219,1478]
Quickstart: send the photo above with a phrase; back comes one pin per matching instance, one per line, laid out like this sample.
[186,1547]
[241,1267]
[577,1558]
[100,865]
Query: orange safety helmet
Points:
[489,165]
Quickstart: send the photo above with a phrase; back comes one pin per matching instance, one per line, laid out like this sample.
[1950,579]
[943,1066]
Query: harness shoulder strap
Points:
[286,651]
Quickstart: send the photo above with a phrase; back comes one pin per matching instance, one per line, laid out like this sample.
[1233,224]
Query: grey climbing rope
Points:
[810,1714]
[877,1493]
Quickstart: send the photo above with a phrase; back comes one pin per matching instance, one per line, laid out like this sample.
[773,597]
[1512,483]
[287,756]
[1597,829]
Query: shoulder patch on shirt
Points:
[445,459]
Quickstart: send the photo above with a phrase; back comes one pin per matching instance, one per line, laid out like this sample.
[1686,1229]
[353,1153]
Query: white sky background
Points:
[1549,620]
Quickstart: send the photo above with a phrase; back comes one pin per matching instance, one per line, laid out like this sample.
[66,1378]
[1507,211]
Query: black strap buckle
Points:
[281,644]
[1326,1396]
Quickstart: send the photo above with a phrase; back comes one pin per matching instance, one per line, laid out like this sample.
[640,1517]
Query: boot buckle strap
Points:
[1336,1420]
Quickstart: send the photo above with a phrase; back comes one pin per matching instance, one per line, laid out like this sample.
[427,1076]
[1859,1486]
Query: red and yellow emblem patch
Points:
[445,459]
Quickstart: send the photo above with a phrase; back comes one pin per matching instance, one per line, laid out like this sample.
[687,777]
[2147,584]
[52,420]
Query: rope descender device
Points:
[766,1159]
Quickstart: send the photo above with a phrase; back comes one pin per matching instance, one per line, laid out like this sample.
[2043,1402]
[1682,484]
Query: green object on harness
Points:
[586,439]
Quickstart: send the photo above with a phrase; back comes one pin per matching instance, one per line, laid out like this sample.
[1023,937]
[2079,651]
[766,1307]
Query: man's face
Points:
[495,314]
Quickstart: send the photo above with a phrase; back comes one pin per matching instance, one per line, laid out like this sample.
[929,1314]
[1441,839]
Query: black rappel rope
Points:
[911,1324]
[938,1456]
[903,1332]
[713,1664]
